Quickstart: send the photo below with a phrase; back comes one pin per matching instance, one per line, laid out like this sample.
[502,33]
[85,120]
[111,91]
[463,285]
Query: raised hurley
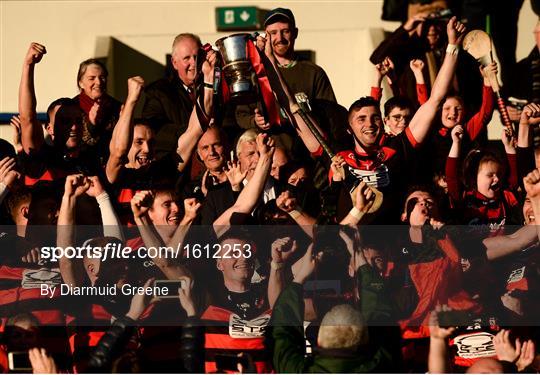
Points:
[302,108]
[478,44]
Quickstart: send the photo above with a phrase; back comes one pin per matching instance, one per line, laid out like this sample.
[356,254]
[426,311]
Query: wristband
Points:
[452,49]
[208,85]
[276,265]
[295,214]
[103,197]
[356,213]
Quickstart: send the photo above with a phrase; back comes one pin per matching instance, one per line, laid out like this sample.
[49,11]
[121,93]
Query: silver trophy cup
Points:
[237,69]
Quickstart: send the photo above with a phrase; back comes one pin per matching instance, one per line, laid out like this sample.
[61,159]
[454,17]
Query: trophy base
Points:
[243,93]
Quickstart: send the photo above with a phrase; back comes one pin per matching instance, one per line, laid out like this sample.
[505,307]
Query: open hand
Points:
[505,349]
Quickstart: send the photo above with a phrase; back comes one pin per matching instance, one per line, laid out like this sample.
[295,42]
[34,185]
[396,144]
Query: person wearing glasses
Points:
[397,114]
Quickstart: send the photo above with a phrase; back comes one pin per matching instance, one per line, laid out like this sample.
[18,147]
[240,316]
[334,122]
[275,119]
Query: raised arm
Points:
[479,121]
[31,132]
[399,40]
[500,246]
[438,346]
[71,269]
[452,175]
[376,86]
[525,152]
[112,227]
[417,67]
[188,140]
[140,204]
[382,69]
[122,135]
[119,333]
[303,130]
[191,210]
[252,191]
[288,204]
[529,116]
[280,269]
[511,156]
[289,354]
[423,118]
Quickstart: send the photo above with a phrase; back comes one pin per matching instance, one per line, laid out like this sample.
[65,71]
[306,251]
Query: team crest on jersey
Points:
[378,177]
[516,275]
[475,345]
[32,279]
[243,329]
[148,263]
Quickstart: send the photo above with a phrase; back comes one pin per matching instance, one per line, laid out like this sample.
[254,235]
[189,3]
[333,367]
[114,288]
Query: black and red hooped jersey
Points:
[20,291]
[229,333]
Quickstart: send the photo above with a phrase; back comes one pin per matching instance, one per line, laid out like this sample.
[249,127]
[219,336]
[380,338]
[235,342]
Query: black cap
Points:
[279,13]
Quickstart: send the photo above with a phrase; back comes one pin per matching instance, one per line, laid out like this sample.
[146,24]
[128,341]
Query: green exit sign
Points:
[239,18]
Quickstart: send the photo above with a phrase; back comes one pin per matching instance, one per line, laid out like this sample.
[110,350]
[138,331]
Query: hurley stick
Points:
[478,44]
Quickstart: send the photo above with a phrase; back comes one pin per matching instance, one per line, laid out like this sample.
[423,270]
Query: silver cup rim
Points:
[232,35]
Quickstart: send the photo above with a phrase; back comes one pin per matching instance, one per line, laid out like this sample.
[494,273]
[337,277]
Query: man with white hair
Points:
[218,200]
[342,327]
[169,101]
[248,156]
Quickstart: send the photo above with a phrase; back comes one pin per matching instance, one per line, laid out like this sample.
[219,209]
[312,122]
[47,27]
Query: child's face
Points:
[424,208]
[398,119]
[452,113]
[488,179]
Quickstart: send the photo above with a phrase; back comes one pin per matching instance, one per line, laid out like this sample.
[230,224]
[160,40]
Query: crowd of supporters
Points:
[290,236]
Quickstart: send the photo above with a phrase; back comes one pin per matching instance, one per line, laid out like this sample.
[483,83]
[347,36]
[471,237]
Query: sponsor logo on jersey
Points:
[475,345]
[242,329]
[35,278]
[516,275]
[378,177]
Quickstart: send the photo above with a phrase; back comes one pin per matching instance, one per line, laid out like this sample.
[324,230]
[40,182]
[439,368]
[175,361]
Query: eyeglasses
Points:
[398,118]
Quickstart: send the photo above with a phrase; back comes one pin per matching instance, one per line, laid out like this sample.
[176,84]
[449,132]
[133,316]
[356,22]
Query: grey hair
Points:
[84,66]
[342,327]
[249,135]
[183,36]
